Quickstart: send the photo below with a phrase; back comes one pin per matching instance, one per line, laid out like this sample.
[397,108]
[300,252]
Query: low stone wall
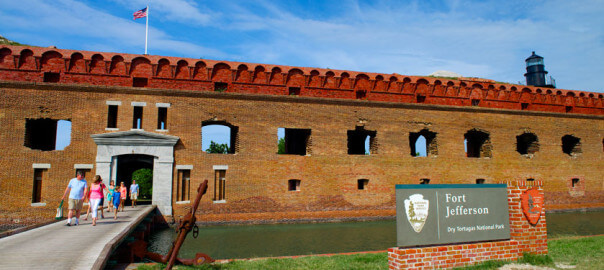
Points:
[525,238]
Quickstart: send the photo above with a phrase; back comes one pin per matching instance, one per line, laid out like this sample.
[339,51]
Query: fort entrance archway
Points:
[138,147]
[126,166]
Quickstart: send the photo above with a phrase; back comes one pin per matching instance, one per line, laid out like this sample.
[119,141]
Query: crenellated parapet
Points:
[36,64]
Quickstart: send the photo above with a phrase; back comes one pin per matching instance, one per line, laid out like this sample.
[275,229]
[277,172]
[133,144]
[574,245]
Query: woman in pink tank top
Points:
[96,194]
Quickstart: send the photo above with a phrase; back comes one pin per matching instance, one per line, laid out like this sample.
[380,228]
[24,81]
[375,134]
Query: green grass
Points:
[584,253]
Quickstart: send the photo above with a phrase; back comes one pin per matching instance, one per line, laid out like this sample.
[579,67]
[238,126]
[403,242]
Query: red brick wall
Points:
[524,238]
[20,63]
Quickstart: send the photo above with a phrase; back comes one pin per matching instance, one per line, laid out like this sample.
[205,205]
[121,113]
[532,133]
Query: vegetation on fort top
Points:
[568,252]
[6,41]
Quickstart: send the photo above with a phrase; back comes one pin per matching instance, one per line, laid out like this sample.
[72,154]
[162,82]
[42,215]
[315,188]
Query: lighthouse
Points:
[535,72]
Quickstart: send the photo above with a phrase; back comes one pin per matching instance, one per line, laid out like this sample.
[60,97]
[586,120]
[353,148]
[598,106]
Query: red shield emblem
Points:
[532,205]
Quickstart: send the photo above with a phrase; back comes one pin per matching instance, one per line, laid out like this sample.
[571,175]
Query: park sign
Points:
[456,213]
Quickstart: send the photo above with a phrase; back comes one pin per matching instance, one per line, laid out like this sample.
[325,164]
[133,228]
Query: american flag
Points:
[140,14]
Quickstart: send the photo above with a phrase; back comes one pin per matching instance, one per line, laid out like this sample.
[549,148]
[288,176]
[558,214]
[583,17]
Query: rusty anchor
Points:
[139,248]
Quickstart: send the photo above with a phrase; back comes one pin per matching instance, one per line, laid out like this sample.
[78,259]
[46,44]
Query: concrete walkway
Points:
[57,246]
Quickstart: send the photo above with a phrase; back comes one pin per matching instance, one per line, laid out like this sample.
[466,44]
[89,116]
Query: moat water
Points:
[248,241]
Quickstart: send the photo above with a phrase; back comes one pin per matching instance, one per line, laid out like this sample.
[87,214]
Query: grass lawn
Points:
[583,252]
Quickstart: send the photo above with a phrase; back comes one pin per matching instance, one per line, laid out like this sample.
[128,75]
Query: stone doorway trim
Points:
[160,146]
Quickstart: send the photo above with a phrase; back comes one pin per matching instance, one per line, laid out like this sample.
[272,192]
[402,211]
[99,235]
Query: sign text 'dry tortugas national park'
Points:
[442,214]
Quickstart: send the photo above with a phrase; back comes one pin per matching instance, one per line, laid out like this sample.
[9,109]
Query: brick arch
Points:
[477,86]
[259,75]
[539,91]
[6,58]
[476,94]
[221,72]
[200,71]
[421,81]
[315,78]
[422,87]
[77,63]
[276,76]
[406,80]
[362,82]
[295,77]
[164,70]
[27,60]
[380,84]
[117,66]
[182,70]
[97,64]
[330,80]
[141,67]
[243,74]
[392,83]
[345,81]
[438,82]
[52,61]
[526,90]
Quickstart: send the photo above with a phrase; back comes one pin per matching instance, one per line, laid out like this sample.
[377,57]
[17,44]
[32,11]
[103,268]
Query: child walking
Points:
[116,201]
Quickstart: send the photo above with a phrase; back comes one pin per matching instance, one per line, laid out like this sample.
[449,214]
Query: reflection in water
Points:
[248,241]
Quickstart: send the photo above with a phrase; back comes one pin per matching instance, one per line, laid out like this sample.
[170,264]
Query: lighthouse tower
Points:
[535,72]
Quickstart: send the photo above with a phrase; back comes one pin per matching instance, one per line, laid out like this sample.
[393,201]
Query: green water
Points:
[229,242]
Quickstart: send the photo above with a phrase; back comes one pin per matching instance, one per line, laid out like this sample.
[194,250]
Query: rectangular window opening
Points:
[294,141]
[140,82]
[420,98]
[569,109]
[480,181]
[112,116]
[37,187]
[52,77]
[220,86]
[530,179]
[362,184]
[219,185]
[293,185]
[361,141]
[137,118]
[162,118]
[524,106]
[361,94]
[424,181]
[575,182]
[294,91]
[475,102]
[184,185]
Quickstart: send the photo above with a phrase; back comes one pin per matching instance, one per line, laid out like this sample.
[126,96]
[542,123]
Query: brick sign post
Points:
[488,231]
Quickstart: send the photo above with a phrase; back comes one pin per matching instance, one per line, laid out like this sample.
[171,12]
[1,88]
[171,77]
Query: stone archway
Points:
[159,146]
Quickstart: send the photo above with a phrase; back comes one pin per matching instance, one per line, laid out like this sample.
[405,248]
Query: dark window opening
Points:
[575,182]
[137,117]
[361,94]
[140,82]
[362,184]
[220,86]
[37,187]
[524,106]
[475,102]
[112,116]
[293,185]
[423,143]
[162,118]
[477,144]
[184,185]
[294,141]
[52,77]
[219,137]
[420,98]
[569,109]
[530,179]
[424,181]
[219,185]
[480,181]
[47,134]
[294,91]
[527,144]
[361,141]
[571,145]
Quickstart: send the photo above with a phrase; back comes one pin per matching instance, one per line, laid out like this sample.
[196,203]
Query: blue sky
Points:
[487,39]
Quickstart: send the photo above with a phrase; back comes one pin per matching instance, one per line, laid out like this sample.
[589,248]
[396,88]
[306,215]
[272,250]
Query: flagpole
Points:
[147,30]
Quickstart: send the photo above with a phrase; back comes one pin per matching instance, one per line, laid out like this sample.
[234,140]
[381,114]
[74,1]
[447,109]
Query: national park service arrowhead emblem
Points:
[417,211]
[532,204]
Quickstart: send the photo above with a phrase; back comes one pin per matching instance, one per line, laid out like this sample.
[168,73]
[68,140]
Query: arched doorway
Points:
[126,166]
